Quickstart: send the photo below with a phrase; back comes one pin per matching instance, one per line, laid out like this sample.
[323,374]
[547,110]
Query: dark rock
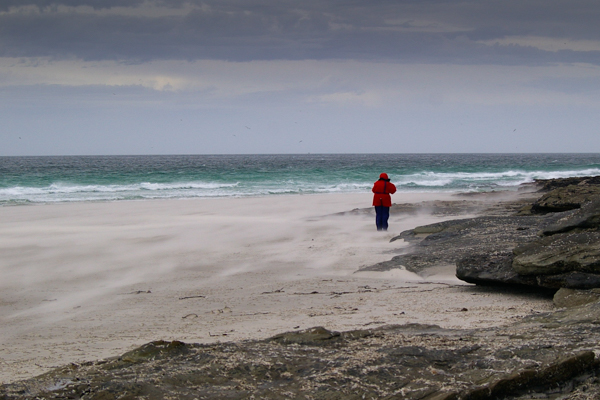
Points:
[559,254]
[491,269]
[528,378]
[313,336]
[587,217]
[539,354]
[571,280]
[525,210]
[449,241]
[496,270]
[565,260]
[566,198]
[153,349]
[482,249]
[573,298]
[546,185]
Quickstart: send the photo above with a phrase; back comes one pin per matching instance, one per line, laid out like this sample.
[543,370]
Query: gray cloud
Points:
[5,5]
[402,31]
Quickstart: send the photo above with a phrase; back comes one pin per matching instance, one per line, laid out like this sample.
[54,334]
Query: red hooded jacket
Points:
[382,189]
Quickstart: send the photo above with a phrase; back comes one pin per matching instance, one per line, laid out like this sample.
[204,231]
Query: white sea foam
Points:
[62,191]
[464,180]
[186,185]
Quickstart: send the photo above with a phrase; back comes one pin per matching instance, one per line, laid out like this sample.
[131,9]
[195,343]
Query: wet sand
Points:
[86,281]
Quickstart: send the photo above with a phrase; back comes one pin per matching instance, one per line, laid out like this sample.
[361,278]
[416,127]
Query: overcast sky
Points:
[277,76]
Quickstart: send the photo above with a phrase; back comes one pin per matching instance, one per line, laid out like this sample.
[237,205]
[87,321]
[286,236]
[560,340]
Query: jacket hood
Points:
[383,175]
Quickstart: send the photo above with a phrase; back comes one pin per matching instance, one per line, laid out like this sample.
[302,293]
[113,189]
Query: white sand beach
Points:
[85,281]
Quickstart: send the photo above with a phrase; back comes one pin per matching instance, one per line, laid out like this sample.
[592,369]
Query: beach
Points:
[91,280]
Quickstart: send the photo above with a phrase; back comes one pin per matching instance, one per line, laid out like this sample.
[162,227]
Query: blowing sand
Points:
[86,281]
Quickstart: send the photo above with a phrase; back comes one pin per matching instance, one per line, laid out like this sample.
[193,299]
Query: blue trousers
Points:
[382,214]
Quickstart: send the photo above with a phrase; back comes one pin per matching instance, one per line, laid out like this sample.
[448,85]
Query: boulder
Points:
[566,198]
[312,336]
[491,269]
[573,298]
[153,349]
[496,270]
[559,254]
[449,241]
[587,217]
[546,185]
[571,280]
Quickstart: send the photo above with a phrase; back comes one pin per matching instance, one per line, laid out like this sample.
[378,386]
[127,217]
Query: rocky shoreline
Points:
[551,243]
[545,241]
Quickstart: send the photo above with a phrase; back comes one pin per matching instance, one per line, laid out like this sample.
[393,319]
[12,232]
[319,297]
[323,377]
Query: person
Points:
[382,201]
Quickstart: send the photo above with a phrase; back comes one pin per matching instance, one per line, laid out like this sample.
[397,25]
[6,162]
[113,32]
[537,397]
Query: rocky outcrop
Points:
[548,251]
[497,270]
[538,356]
[450,241]
[547,185]
[568,298]
[565,193]
[568,253]
[585,218]
[491,269]
[558,254]
[566,198]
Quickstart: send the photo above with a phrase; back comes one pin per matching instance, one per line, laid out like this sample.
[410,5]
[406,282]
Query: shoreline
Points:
[430,195]
[88,281]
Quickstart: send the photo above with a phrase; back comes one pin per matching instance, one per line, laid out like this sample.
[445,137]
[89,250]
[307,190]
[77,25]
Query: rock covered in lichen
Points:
[566,198]
[508,250]
[539,354]
[573,297]
[558,254]
[585,218]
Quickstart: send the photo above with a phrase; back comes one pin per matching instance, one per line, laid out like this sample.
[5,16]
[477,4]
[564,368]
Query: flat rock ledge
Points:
[538,246]
[541,356]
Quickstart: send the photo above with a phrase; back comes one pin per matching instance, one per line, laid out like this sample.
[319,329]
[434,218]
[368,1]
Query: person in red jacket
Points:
[382,201]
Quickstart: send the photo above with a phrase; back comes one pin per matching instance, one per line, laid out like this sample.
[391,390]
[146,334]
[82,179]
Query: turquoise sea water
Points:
[26,180]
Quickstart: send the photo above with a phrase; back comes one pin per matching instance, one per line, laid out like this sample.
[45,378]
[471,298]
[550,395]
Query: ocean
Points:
[30,180]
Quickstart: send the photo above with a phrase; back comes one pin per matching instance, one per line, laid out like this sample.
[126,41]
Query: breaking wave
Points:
[25,180]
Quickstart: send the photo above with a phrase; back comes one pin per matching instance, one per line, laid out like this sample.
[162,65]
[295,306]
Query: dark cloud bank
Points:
[400,31]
